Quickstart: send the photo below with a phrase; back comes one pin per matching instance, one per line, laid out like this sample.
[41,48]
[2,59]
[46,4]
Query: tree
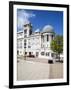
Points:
[57,45]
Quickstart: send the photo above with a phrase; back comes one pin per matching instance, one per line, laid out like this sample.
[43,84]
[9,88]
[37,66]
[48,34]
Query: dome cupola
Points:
[48,29]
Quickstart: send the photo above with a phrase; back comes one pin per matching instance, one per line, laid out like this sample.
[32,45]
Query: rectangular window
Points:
[25,40]
[52,54]
[52,37]
[47,53]
[24,46]
[47,37]
[25,25]
[29,46]
[25,31]
[30,32]
[17,52]
[37,53]
[25,53]
[56,56]
[42,53]
[42,38]
[29,53]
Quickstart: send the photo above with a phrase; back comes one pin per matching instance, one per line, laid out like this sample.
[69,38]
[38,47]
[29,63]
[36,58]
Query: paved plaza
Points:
[36,69]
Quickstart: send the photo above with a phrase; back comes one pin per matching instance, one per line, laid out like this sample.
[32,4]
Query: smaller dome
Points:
[48,29]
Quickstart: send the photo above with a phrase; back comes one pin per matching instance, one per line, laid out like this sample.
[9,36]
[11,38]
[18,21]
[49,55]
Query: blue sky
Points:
[40,18]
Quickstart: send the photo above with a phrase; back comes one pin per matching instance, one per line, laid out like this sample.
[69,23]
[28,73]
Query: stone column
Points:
[50,38]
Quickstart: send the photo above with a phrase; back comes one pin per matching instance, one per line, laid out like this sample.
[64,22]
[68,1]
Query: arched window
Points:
[47,53]
[42,53]
[25,31]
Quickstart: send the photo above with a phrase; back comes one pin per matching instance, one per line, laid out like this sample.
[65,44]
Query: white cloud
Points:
[37,30]
[23,17]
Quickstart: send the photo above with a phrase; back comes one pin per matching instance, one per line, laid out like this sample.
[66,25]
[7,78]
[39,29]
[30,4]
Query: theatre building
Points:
[35,43]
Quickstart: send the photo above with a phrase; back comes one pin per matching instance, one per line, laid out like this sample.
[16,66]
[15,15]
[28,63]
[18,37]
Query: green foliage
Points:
[57,44]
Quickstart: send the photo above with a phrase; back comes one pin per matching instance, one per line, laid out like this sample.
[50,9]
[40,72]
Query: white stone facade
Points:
[35,43]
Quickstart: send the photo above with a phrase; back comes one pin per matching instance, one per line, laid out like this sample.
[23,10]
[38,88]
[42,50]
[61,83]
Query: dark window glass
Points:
[29,46]
[42,37]
[56,56]
[25,43]
[37,53]
[42,53]
[30,32]
[52,37]
[52,54]
[47,53]
[25,25]
[25,31]
[17,52]
[24,46]
[29,53]
[25,52]
[25,40]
